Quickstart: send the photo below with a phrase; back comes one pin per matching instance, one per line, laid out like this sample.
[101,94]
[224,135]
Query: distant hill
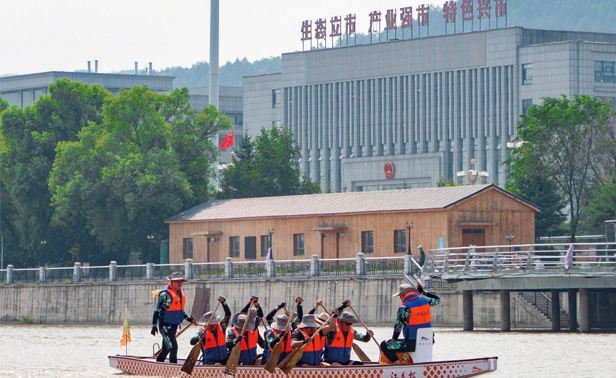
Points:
[574,15]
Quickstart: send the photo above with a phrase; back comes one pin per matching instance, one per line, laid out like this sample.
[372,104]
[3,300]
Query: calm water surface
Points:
[81,351]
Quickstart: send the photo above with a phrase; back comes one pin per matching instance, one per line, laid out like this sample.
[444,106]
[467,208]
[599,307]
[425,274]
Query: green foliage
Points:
[26,319]
[266,168]
[557,165]
[442,182]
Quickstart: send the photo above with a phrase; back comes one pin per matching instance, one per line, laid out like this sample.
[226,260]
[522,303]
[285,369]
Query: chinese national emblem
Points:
[389,170]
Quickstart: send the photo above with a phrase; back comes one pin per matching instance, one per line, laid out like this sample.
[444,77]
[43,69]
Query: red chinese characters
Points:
[406,17]
[390,19]
[320,28]
[336,30]
[484,9]
[449,11]
[306,30]
[375,17]
[423,15]
[467,10]
[500,8]
[350,24]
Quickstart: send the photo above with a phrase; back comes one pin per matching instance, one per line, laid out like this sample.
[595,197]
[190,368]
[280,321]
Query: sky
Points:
[63,35]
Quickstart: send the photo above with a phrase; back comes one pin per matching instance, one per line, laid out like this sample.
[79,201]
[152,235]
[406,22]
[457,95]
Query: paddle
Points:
[176,336]
[356,348]
[364,324]
[193,356]
[234,356]
[291,360]
[271,363]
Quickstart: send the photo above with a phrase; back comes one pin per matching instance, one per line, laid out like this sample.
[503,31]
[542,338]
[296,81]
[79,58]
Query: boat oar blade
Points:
[360,353]
[192,358]
[233,360]
[291,360]
[270,365]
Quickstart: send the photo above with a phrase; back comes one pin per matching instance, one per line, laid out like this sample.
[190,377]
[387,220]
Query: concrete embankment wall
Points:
[103,303]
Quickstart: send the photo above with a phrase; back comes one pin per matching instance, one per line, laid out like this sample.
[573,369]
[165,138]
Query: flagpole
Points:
[126,320]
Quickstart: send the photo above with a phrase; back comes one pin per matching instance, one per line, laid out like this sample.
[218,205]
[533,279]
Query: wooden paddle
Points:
[291,360]
[176,336]
[364,324]
[356,348]
[193,356]
[234,356]
[271,363]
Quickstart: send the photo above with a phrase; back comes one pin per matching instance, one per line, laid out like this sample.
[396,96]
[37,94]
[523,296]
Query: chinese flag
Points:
[227,142]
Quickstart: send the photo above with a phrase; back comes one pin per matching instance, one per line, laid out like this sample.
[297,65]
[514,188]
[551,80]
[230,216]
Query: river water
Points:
[81,351]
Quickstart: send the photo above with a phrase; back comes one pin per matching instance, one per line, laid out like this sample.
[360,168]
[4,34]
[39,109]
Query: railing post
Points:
[113,271]
[228,267]
[467,260]
[149,271]
[42,274]
[360,264]
[270,268]
[446,264]
[314,266]
[495,262]
[408,265]
[77,272]
[188,269]
[529,256]
[9,274]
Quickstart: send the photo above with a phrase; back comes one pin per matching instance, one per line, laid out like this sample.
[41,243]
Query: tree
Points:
[266,168]
[148,160]
[561,149]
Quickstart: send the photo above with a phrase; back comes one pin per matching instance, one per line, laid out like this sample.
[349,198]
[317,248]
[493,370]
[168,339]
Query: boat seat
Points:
[423,345]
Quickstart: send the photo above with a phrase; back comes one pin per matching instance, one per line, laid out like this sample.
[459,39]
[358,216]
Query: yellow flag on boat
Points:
[126,330]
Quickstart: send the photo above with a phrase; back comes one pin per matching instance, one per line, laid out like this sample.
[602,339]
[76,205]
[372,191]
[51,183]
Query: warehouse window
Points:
[527,74]
[250,247]
[188,248]
[367,242]
[605,72]
[234,246]
[266,243]
[298,244]
[399,241]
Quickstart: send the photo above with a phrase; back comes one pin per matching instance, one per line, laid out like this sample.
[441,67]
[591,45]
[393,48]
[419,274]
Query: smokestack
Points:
[89,69]
[96,66]
[136,68]
[150,68]
[214,13]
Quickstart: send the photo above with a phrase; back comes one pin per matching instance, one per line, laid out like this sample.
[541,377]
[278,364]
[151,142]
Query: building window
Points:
[527,74]
[266,243]
[188,248]
[367,242]
[234,246]
[400,241]
[250,247]
[298,244]
[605,72]
[276,98]
[526,104]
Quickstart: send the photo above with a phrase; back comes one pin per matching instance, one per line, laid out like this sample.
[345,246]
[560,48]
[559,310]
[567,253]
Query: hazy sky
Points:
[62,35]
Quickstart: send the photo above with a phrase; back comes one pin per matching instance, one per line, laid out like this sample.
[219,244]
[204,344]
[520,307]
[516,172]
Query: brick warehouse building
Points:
[340,225]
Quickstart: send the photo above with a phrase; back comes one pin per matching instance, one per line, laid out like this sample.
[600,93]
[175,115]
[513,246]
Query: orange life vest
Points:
[340,348]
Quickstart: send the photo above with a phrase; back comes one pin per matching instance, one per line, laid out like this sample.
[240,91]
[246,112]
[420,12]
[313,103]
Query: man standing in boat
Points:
[413,313]
[168,314]
[338,344]
[213,345]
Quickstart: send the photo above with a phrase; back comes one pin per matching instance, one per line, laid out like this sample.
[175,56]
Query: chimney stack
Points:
[136,68]
[89,69]
[150,69]
[96,66]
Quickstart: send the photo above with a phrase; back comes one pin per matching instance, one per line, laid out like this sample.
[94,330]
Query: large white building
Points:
[422,107]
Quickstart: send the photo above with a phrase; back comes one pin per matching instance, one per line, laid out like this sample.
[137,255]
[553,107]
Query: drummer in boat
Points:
[169,314]
[414,313]
[249,340]
[338,344]
[213,340]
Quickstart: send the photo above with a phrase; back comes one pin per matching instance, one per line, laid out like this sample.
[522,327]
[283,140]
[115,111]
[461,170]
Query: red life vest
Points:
[175,313]
[248,346]
[214,349]
[419,317]
[313,351]
[340,348]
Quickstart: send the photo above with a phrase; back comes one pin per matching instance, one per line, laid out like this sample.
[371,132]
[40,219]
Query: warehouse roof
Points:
[334,203]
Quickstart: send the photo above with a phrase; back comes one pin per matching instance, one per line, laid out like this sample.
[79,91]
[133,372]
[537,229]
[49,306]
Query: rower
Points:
[313,351]
[250,339]
[213,346]
[338,344]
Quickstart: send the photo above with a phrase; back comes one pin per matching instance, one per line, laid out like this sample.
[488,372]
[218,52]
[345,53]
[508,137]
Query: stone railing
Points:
[358,266]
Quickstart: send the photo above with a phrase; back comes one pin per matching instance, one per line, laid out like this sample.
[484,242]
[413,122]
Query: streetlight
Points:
[472,175]
[150,237]
[516,144]
[270,232]
[408,231]
[510,238]
[43,242]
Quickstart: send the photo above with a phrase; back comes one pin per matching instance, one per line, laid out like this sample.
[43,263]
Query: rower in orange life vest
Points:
[248,341]
[213,345]
[313,351]
[413,313]
[278,333]
[168,314]
[338,344]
